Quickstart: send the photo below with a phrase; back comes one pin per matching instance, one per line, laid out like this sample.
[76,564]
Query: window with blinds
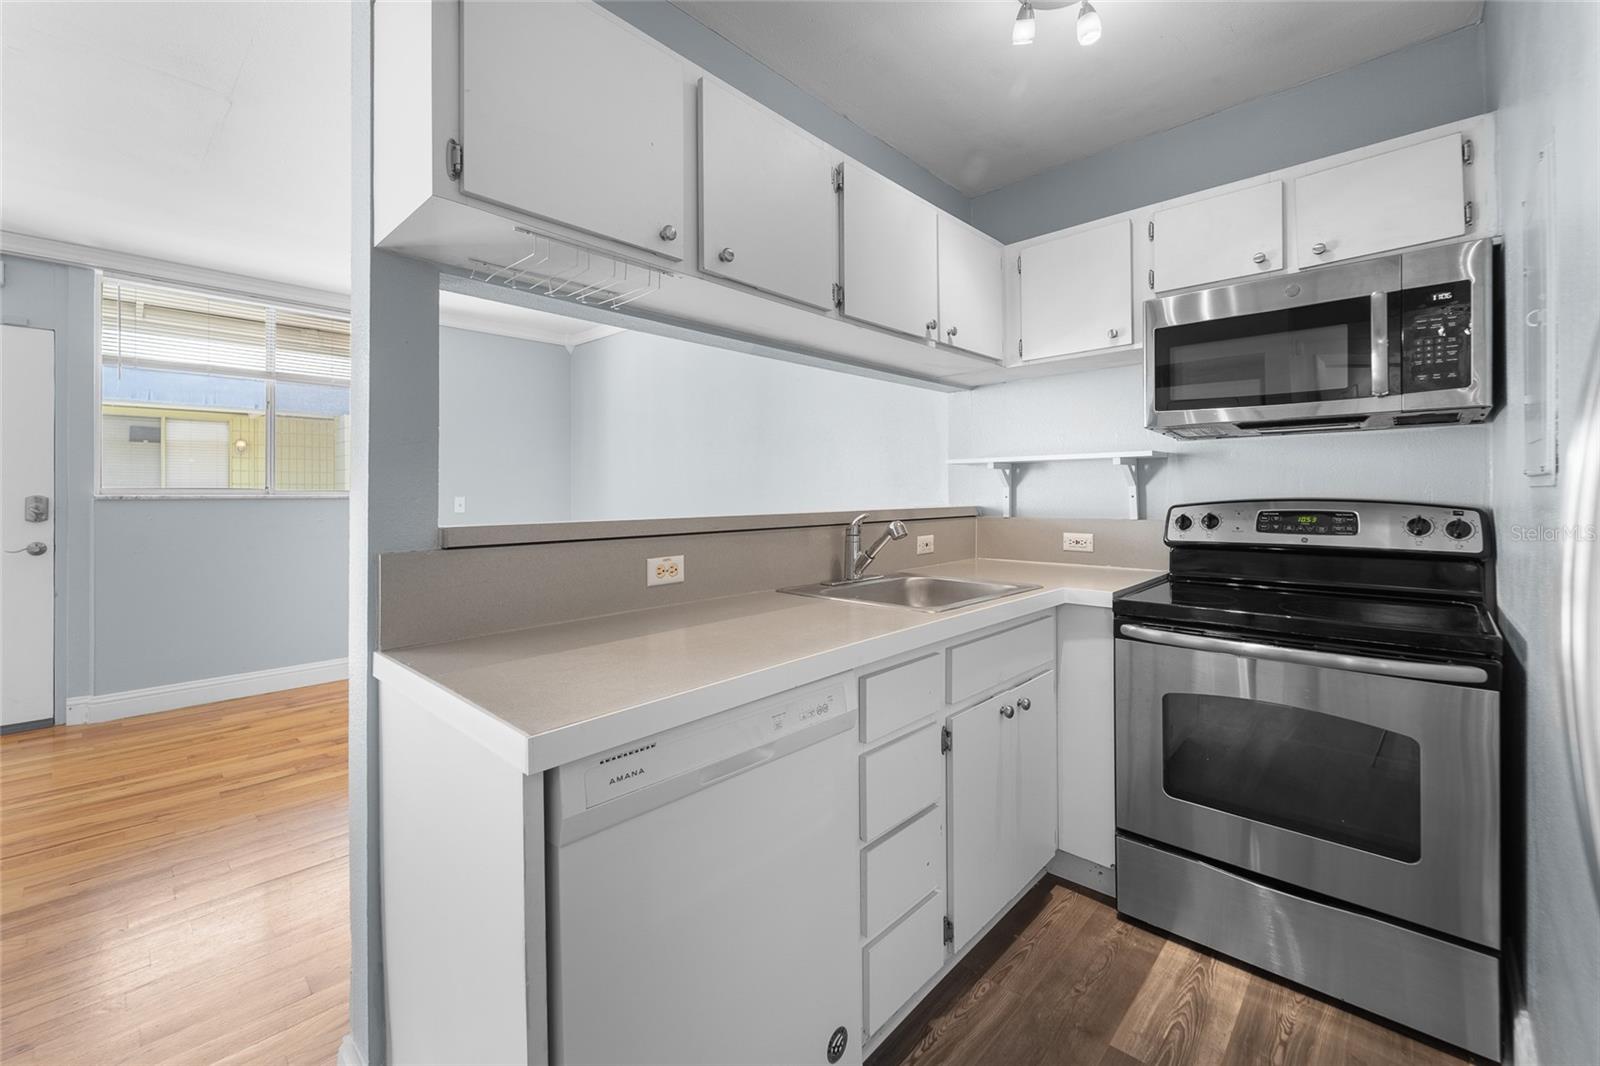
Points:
[209,394]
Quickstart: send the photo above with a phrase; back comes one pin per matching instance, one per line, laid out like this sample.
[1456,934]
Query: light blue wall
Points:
[154,592]
[505,440]
[1416,88]
[58,298]
[687,37]
[1544,82]
[190,589]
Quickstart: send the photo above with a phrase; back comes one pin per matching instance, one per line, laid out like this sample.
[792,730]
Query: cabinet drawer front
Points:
[896,697]
[993,660]
[903,960]
[902,869]
[898,780]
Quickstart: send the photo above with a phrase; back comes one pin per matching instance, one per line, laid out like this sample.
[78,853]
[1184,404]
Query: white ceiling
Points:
[942,83]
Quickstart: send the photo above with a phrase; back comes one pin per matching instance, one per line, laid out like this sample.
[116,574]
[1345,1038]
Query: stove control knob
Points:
[1211,521]
[1458,529]
[1419,526]
[1183,522]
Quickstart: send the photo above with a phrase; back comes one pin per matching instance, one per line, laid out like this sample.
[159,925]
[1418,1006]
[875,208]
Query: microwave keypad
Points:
[1436,337]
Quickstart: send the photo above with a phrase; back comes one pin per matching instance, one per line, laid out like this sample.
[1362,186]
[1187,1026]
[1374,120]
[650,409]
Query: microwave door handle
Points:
[1380,344]
[1362,664]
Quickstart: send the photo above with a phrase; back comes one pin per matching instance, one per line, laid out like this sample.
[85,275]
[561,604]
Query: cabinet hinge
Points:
[1466,152]
[1150,230]
[838,295]
[1019,347]
[949,930]
[945,741]
[452,159]
[1466,214]
[1152,279]
[838,177]
[1019,264]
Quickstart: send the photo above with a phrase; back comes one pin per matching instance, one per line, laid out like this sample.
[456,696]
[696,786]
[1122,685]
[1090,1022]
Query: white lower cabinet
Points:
[900,870]
[900,961]
[1001,801]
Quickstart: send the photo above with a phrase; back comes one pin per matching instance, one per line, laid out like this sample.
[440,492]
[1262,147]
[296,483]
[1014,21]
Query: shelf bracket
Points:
[1133,472]
[1010,474]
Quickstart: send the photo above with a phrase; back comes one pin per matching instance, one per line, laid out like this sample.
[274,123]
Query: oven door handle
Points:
[1364,664]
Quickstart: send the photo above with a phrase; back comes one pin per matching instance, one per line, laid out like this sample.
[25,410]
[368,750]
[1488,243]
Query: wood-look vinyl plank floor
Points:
[174,888]
[1063,981]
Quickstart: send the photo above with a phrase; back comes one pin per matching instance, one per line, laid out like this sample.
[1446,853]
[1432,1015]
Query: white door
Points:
[769,217]
[890,268]
[1031,757]
[567,115]
[27,472]
[1409,196]
[1075,293]
[1230,236]
[971,288]
[980,816]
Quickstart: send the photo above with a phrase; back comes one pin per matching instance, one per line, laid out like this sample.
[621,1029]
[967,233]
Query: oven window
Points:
[1308,354]
[1314,773]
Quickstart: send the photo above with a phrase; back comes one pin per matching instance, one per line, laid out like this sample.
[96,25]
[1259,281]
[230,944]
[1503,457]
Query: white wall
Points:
[1544,80]
[1103,410]
[504,429]
[665,428]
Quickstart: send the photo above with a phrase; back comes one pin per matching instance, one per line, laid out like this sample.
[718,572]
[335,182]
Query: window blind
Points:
[150,325]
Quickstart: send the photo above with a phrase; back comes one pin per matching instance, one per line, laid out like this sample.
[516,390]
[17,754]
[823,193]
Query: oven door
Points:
[1340,775]
[1307,351]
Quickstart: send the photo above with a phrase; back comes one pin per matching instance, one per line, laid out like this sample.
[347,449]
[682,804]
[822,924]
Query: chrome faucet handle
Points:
[855,523]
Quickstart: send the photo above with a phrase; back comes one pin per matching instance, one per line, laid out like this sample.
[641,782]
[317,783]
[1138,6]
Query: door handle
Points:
[1448,673]
[37,547]
[1380,344]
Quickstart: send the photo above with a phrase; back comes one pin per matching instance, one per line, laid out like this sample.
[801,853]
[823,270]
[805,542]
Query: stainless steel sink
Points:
[919,592]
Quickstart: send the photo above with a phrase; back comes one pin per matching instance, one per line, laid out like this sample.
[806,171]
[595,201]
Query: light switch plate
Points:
[1077,542]
[664,570]
[925,544]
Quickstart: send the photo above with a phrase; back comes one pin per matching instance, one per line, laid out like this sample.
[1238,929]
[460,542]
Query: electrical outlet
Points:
[666,570]
[461,505]
[925,544]
[1077,542]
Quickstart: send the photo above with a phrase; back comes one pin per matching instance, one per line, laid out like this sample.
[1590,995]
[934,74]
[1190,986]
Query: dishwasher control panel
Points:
[721,746]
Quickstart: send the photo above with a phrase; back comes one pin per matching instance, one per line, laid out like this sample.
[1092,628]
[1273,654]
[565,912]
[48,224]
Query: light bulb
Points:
[1022,30]
[1088,24]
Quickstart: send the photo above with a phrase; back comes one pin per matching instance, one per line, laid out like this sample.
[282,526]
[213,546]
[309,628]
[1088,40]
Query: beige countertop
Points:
[551,694]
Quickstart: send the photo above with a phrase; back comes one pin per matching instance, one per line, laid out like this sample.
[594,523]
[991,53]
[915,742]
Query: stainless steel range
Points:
[1308,752]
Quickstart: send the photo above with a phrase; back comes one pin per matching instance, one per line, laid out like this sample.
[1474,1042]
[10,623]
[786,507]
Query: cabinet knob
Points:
[726,255]
[1008,711]
[1259,258]
[1112,332]
[1319,248]
[932,326]
[951,332]
[1023,703]
[669,232]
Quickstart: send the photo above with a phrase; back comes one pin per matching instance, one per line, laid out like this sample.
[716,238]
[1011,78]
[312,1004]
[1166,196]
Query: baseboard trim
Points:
[83,710]
[349,1054]
[1084,873]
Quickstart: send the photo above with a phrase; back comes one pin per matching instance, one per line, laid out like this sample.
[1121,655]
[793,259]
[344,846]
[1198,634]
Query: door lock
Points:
[36,509]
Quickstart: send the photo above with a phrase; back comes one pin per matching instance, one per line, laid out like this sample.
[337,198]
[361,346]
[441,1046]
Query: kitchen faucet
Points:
[859,560]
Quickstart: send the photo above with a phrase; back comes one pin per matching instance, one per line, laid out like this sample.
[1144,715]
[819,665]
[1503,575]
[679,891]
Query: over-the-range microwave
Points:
[1405,340]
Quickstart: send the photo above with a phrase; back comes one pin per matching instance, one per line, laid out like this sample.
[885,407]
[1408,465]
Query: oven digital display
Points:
[1315,523]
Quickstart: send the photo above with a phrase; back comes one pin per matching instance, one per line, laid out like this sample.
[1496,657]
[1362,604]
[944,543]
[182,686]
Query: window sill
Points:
[222,495]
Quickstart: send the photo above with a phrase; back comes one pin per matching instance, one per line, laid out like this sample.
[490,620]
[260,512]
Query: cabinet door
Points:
[569,116]
[1229,236]
[1408,196]
[1075,293]
[981,806]
[971,288]
[768,212]
[1029,755]
[890,256]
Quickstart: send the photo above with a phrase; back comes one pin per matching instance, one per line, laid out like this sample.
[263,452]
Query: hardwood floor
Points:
[174,887]
[1063,980]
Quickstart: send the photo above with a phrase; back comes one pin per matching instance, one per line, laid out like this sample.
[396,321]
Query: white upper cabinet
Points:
[971,288]
[890,258]
[568,116]
[768,211]
[1075,293]
[1219,238]
[1412,195]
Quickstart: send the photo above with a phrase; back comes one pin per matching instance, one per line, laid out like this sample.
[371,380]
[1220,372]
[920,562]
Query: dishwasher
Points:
[704,891]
